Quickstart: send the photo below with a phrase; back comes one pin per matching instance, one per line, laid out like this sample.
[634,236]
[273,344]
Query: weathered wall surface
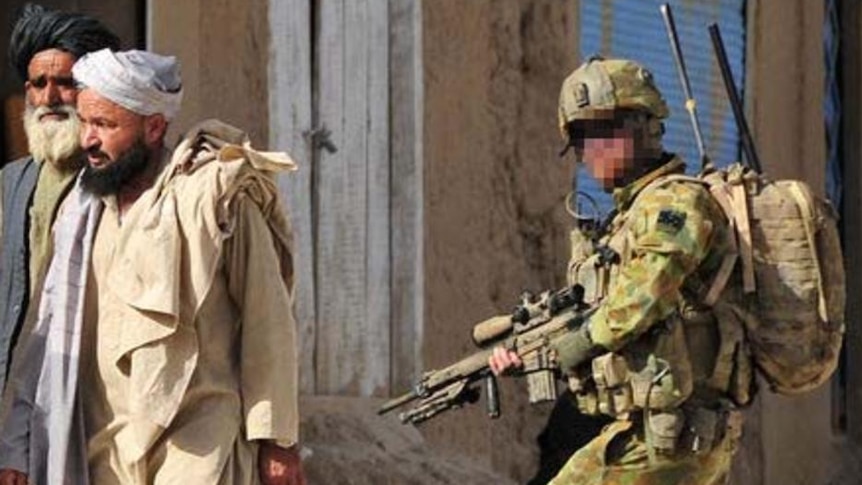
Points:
[494,186]
[851,42]
[787,79]
[851,64]
[223,48]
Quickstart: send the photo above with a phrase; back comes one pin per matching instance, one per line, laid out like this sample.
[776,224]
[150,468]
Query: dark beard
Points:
[109,180]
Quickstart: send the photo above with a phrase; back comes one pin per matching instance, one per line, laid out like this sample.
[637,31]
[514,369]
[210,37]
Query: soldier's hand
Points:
[277,465]
[502,361]
[12,477]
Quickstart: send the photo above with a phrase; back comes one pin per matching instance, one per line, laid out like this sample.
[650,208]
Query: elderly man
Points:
[165,346]
[43,47]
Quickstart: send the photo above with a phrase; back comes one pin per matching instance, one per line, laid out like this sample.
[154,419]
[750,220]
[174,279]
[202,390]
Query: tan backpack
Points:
[793,290]
[791,293]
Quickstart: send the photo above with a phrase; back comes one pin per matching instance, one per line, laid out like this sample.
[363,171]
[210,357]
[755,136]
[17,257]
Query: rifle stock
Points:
[531,331]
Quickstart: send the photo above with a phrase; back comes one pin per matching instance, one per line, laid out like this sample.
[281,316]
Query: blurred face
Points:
[114,141]
[613,149]
[49,119]
[610,158]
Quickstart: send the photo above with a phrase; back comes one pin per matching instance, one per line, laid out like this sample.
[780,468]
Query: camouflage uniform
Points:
[668,368]
[665,242]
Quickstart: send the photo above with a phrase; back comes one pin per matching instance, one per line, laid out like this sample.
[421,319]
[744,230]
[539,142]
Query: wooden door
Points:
[336,70]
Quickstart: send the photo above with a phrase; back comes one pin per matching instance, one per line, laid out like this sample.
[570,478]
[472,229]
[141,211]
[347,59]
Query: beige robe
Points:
[189,351]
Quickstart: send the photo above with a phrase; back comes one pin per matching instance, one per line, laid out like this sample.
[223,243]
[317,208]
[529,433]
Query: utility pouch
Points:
[665,428]
[584,389]
[701,430]
[611,375]
[583,268]
[661,376]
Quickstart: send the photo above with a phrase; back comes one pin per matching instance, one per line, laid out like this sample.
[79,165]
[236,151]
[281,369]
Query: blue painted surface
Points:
[832,103]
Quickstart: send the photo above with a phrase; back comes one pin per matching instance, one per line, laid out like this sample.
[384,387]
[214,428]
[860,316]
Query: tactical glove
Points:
[575,348]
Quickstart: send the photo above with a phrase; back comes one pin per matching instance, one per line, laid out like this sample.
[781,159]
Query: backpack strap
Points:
[728,198]
[720,193]
[722,276]
[804,202]
[743,234]
[732,197]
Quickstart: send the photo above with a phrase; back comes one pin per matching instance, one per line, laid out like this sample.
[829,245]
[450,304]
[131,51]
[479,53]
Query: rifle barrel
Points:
[397,402]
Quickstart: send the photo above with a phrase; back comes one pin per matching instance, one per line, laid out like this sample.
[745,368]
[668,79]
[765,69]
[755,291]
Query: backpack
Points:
[793,284]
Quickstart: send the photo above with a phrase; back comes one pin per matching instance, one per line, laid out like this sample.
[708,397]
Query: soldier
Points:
[653,356]
[42,49]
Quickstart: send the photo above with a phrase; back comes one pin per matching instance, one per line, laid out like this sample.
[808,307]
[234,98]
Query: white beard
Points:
[54,141]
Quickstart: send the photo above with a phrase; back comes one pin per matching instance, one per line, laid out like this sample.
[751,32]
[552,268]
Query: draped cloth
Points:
[44,403]
[43,434]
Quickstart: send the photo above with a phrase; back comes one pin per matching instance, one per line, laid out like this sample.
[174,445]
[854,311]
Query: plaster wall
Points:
[495,223]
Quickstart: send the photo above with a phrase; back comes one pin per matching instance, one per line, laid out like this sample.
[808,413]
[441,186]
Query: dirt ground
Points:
[345,442]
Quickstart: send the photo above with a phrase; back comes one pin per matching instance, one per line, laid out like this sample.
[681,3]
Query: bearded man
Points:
[165,349]
[43,48]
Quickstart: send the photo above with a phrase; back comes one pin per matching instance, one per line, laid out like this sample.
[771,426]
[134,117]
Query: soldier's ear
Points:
[654,127]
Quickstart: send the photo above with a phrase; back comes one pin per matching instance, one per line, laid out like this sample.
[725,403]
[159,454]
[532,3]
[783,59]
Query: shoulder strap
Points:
[732,197]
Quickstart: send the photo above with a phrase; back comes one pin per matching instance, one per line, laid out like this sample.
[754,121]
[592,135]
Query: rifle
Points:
[530,331]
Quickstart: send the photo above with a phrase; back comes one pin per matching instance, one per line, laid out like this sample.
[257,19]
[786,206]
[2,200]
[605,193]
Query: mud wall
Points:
[786,83]
[494,186]
[223,47]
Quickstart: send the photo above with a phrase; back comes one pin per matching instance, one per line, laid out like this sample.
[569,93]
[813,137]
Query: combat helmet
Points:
[601,86]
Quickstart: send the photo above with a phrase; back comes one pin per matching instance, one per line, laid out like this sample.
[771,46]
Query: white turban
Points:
[139,81]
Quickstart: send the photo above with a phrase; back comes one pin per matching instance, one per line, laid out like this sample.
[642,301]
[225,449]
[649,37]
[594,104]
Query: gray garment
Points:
[18,184]
[44,405]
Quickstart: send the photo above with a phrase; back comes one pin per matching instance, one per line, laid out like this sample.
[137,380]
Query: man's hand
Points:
[277,465]
[12,477]
[501,361]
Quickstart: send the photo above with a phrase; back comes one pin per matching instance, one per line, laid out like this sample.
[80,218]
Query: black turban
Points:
[38,29]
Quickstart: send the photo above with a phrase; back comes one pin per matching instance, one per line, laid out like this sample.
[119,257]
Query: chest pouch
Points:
[583,387]
[661,371]
[611,375]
